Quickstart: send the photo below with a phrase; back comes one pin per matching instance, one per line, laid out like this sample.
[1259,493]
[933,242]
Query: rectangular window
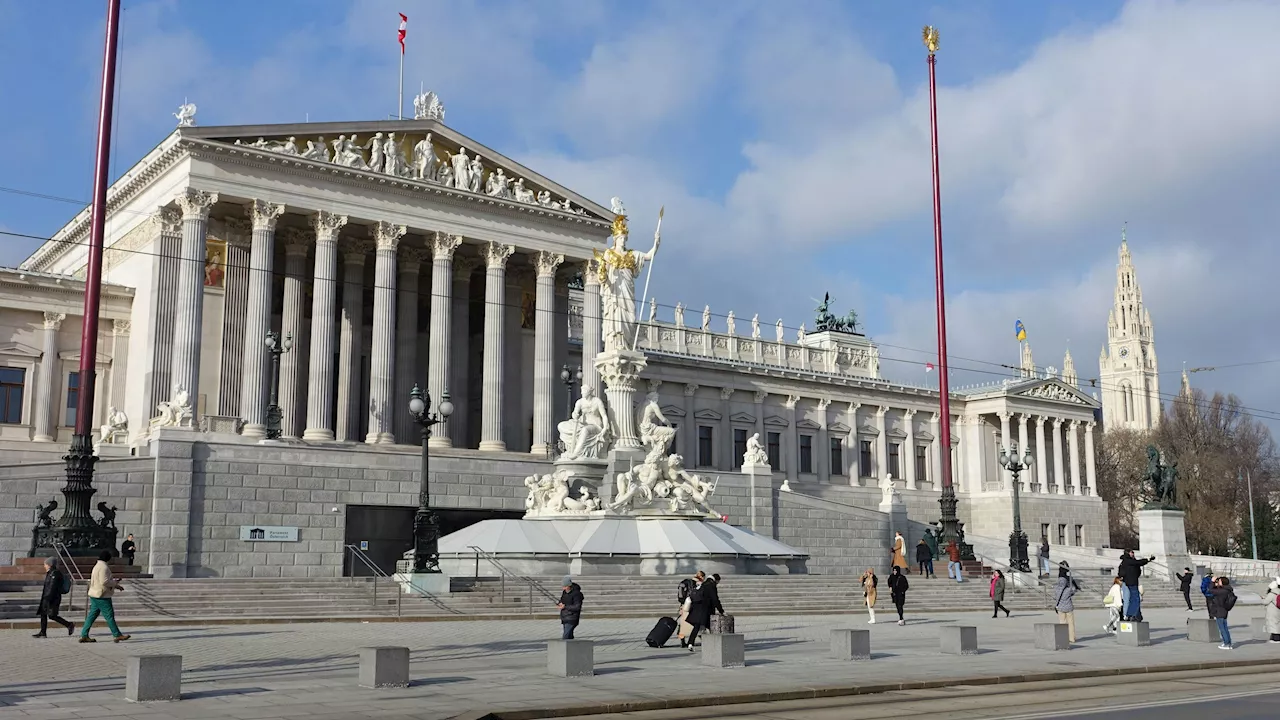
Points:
[806,453]
[1044,531]
[675,439]
[1062,534]
[775,450]
[739,446]
[866,467]
[73,397]
[922,464]
[705,446]
[1079,536]
[12,383]
[895,469]
[837,456]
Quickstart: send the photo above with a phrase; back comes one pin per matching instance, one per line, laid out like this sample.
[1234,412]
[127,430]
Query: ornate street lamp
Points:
[276,348]
[1017,539]
[568,378]
[426,526]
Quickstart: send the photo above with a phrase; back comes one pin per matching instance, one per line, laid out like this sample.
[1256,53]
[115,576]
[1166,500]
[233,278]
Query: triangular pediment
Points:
[896,432]
[706,414]
[871,430]
[775,421]
[741,417]
[1053,389]
[673,411]
[838,427]
[924,435]
[18,349]
[74,356]
[291,142]
[807,424]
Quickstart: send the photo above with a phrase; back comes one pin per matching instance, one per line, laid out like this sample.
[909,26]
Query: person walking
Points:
[1043,556]
[711,591]
[101,587]
[682,623]
[1063,594]
[997,594]
[699,615]
[869,582]
[924,557]
[1273,611]
[899,553]
[1184,584]
[56,584]
[1224,598]
[1130,571]
[954,568]
[1114,603]
[128,549]
[898,591]
[570,605]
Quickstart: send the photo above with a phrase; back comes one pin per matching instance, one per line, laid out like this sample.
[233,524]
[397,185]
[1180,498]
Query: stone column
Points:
[296,243]
[544,371]
[324,307]
[45,400]
[908,453]
[255,366]
[1058,477]
[822,460]
[1005,417]
[460,364]
[882,444]
[442,249]
[727,461]
[164,294]
[1023,447]
[936,448]
[791,448]
[120,330]
[1090,462]
[1042,471]
[351,338]
[517,428]
[495,298]
[690,442]
[188,318]
[382,360]
[1073,446]
[855,469]
[590,324]
[235,307]
[408,294]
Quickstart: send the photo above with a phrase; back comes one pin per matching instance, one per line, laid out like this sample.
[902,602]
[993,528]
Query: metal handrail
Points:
[1007,570]
[64,555]
[504,573]
[378,573]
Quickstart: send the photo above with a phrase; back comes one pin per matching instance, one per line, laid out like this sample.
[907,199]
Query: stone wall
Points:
[992,516]
[840,539]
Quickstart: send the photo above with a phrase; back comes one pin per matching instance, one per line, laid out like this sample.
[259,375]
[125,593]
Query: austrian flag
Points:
[400,36]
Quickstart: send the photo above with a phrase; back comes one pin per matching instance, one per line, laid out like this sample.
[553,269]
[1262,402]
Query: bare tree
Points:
[1121,463]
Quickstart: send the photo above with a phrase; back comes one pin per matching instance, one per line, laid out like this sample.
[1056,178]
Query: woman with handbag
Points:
[869,582]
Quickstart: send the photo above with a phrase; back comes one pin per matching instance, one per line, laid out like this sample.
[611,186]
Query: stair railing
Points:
[357,554]
[1004,568]
[504,573]
[64,556]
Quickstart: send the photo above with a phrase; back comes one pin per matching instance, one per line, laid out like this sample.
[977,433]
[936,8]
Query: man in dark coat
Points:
[129,548]
[699,616]
[1130,571]
[924,556]
[711,587]
[51,598]
[570,607]
[1184,584]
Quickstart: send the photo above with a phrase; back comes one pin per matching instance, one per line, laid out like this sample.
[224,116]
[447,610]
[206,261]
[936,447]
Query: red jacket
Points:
[953,552]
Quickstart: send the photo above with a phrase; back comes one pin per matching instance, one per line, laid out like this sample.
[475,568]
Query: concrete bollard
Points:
[1134,634]
[849,644]
[960,640]
[572,658]
[1052,636]
[1203,630]
[1258,628]
[384,666]
[724,650]
[153,677]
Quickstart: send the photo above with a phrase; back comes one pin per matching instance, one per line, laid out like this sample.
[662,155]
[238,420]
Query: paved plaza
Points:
[309,670]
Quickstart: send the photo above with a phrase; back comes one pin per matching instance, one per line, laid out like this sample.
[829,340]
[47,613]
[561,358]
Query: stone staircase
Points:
[31,569]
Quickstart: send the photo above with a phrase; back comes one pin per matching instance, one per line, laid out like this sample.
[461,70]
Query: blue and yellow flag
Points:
[1020,331]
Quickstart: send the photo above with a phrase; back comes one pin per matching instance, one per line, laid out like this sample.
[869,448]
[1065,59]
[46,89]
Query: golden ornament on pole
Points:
[931,38]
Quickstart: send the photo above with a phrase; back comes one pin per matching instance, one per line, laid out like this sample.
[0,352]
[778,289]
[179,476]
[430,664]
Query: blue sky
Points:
[788,142]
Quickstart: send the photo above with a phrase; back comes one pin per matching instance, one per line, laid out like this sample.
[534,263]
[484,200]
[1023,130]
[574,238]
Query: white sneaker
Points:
[1274,641]
[871,621]
[1224,647]
[902,622]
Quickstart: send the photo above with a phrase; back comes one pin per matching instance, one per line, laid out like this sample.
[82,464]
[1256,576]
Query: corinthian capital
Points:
[387,235]
[196,204]
[547,262]
[296,240]
[53,320]
[443,245]
[497,254]
[327,226]
[264,214]
[168,220]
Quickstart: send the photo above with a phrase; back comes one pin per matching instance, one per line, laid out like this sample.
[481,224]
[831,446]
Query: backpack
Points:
[64,585]
[682,593]
[1278,601]
[1229,601]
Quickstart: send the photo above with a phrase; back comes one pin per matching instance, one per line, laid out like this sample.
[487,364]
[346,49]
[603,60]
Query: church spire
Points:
[1069,370]
[1185,391]
[1127,366]
[1028,365]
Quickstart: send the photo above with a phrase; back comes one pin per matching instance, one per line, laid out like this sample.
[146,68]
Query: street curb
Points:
[833,691]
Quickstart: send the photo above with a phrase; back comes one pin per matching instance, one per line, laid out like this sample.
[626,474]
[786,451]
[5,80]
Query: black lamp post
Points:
[276,348]
[426,526]
[1017,539]
[568,378]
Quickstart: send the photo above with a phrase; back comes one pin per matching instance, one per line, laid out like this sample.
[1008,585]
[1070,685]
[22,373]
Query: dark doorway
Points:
[388,532]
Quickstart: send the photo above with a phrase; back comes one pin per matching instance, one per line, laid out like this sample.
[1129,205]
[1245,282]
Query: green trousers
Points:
[100,606]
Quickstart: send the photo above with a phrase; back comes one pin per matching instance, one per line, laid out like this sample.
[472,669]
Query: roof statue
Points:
[826,321]
[186,115]
[427,106]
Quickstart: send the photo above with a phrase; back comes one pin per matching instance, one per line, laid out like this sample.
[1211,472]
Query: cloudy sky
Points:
[788,142]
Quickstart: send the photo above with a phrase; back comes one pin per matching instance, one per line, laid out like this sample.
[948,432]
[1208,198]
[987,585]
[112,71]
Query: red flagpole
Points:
[939,289]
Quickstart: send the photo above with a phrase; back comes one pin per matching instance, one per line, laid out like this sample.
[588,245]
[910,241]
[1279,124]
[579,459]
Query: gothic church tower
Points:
[1127,366]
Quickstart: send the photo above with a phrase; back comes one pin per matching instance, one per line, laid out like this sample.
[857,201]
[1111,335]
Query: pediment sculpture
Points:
[1053,391]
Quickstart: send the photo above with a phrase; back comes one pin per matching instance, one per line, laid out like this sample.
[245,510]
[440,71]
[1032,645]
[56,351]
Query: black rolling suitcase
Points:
[661,632]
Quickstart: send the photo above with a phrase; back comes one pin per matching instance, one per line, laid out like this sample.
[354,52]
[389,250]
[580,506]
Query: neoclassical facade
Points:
[400,253]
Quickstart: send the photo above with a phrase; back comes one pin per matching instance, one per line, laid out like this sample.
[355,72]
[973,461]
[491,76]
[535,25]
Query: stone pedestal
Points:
[153,677]
[1258,629]
[620,369]
[760,483]
[727,650]
[850,644]
[384,666]
[1052,636]
[959,640]
[1134,634]
[571,658]
[1163,533]
[1203,630]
